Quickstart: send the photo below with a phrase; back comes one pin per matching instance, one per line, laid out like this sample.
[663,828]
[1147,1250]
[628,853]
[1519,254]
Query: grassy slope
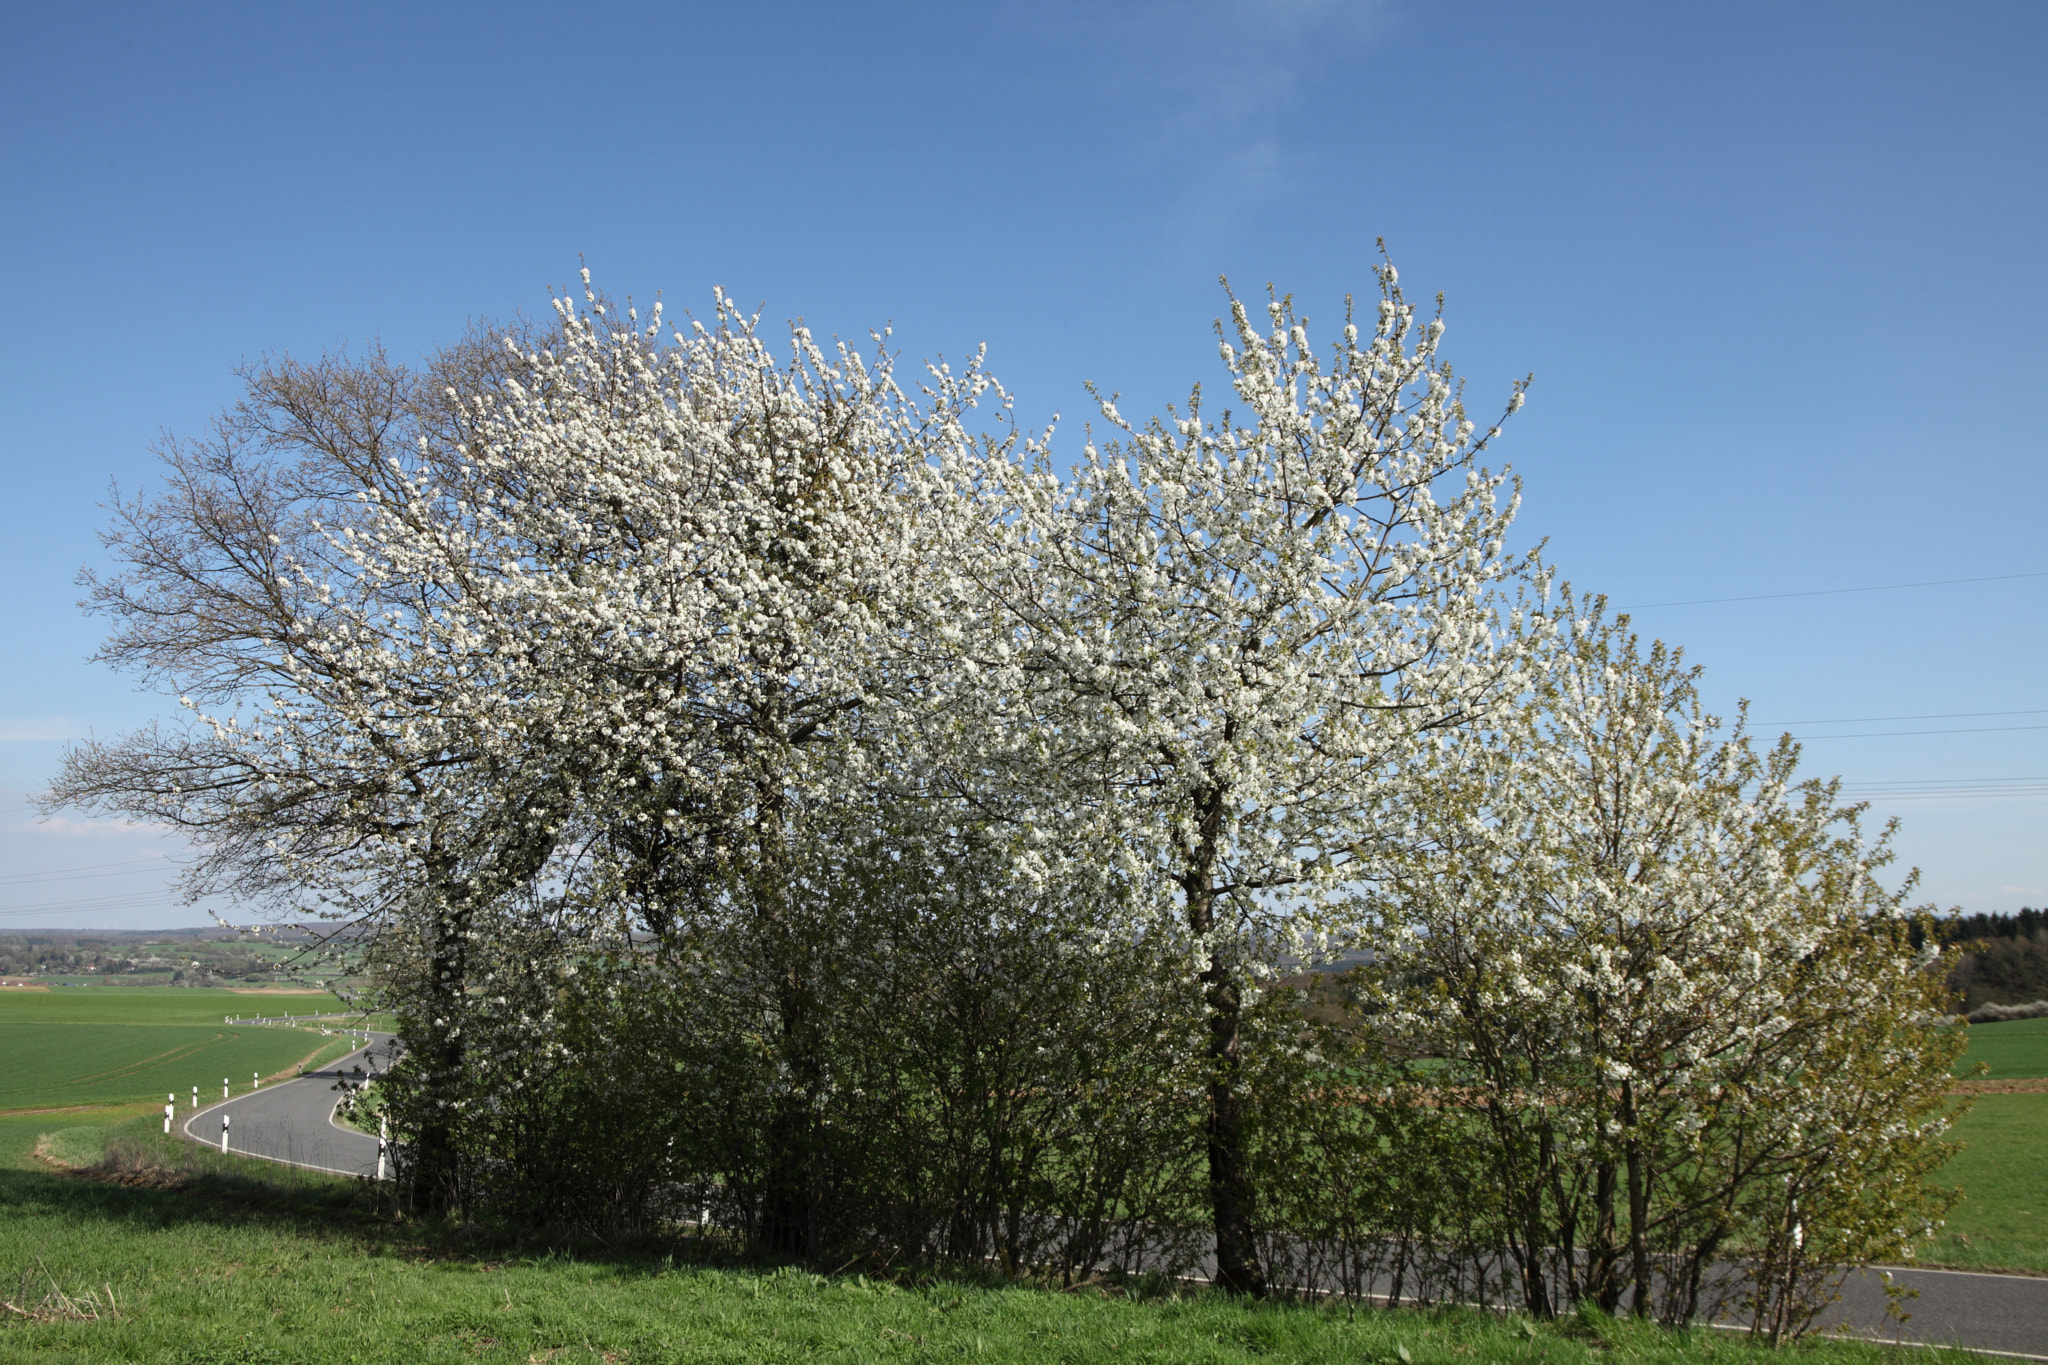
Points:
[243,1268]
[257,1263]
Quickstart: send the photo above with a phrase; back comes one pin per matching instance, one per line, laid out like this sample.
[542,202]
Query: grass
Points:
[103,1004]
[114,1045]
[2014,1050]
[67,1064]
[179,1253]
[2002,1221]
[229,1260]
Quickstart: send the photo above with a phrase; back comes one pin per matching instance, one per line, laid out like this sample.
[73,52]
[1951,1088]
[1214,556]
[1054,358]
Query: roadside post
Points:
[223,1087]
[383,1141]
[167,1118]
[195,1097]
[255,1080]
[224,1132]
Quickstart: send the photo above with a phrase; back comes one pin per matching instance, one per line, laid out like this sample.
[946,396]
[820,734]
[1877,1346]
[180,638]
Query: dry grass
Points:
[56,1305]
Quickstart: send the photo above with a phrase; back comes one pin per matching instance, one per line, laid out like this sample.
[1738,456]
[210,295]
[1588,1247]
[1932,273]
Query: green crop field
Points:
[70,1064]
[2014,1050]
[111,1045]
[103,1004]
[2002,1221]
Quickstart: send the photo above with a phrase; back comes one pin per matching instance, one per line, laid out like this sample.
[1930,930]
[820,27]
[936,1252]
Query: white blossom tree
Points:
[1216,648]
[748,548]
[1670,985]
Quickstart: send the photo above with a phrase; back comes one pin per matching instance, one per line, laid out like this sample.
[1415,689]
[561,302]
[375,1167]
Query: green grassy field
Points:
[2015,1050]
[104,1004]
[115,1044]
[2002,1221]
[244,1262]
[66,1064]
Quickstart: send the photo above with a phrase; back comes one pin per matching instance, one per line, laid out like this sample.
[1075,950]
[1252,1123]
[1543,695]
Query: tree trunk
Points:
[435,1157]
[789,1216]
[1232,1198]
[1638,1205]
[1230,1183]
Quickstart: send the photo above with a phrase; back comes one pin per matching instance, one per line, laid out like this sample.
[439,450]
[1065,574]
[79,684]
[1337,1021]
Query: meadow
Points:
[2002,1221]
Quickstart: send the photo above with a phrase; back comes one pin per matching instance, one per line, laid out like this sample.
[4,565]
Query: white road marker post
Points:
[255,1080]
[223,1132]
[383,1141]
[223,1087]
[167,1118]
[195,1097]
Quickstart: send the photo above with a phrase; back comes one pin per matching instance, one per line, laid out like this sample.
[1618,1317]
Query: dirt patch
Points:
[270,990]
[22,986]
[2033,1085]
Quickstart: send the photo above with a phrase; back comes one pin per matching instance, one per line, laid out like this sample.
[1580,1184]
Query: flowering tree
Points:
[309,763]
[1219,643]
[1670,987]
[752,544]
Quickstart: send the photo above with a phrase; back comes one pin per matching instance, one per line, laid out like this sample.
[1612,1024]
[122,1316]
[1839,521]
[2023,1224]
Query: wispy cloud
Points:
[1213,94]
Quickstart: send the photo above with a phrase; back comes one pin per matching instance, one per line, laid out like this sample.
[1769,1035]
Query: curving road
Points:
[293,1121]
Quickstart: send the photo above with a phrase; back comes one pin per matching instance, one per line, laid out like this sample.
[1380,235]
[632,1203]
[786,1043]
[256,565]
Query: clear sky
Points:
[1777,268]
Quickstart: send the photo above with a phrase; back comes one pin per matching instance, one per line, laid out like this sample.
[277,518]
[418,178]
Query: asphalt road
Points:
[293,1121]
[2006,1313]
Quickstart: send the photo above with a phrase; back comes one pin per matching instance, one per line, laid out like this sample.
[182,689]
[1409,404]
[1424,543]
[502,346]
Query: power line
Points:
[1835,592]
[40,878]
[1886,734]
[1946,791]
[1864,720]
[68,871]
[1945,781]
[133,901]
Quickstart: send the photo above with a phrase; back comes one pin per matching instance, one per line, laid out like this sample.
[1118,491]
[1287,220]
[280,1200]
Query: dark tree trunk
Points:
[1232,1197]
[435,1158]
[1638,1205]
[789,1215]
[1230,1183]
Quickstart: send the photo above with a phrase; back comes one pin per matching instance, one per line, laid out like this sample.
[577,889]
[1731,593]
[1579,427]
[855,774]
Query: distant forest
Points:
[2004,959]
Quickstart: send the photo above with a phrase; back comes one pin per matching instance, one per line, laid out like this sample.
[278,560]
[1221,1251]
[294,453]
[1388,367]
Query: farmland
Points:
[2002,1221]
[99,1045]
[2015,1050]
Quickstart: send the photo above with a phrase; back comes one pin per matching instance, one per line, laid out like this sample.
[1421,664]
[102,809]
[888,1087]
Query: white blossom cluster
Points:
[669,562]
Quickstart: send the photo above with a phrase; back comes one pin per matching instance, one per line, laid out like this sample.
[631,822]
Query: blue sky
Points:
[1778,270]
